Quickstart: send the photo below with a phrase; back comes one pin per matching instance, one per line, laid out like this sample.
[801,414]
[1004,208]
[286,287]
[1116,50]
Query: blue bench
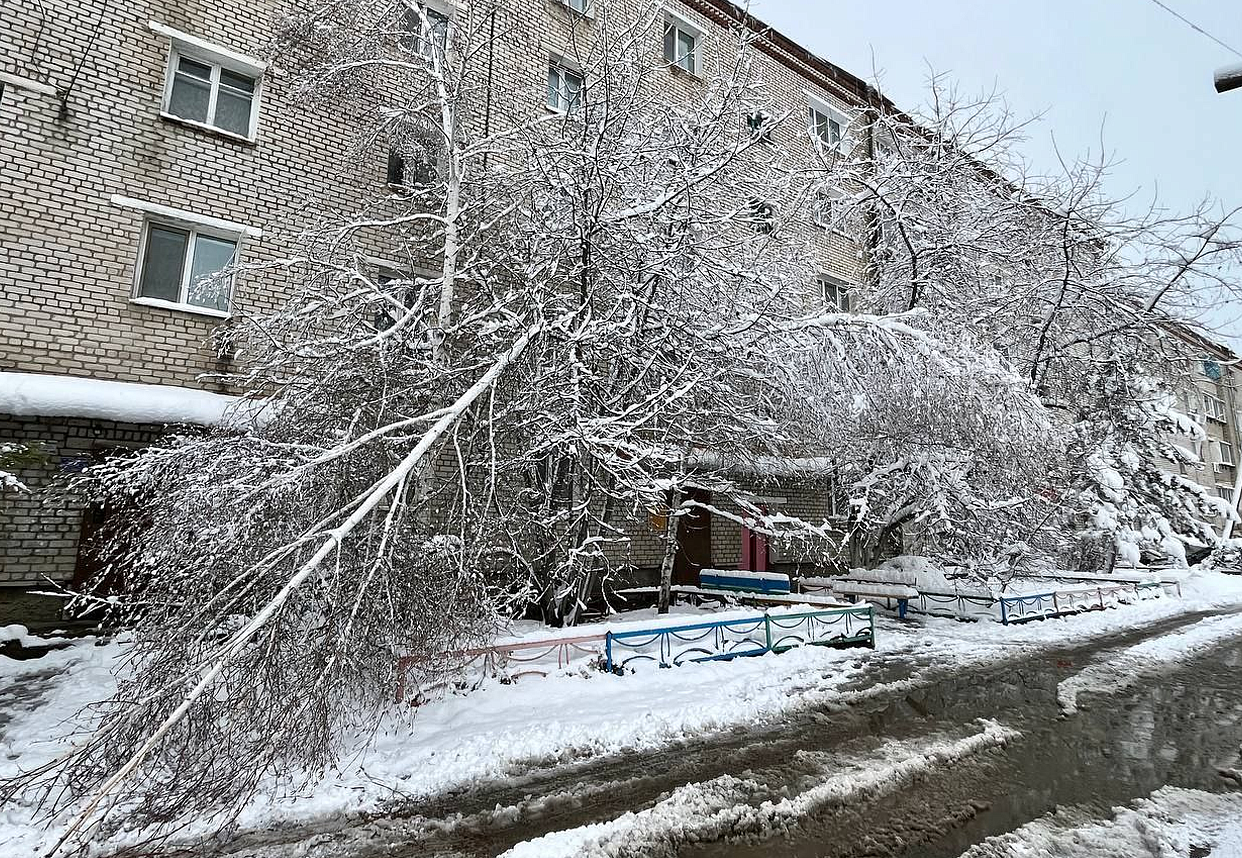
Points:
[744,581]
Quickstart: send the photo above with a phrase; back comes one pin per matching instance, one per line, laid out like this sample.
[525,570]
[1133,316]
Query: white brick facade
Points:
[86,155]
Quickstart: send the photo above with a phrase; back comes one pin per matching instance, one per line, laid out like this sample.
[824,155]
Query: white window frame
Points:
[1226,452]
[1214,408]
[563,67]
[585,11]
[843,288]
[833,194]
[191,47]
[681,25]
[816,104]
[183,303]
[196,224]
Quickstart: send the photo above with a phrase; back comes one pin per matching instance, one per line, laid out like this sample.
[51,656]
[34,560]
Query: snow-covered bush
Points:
[1226,556]
[13,457]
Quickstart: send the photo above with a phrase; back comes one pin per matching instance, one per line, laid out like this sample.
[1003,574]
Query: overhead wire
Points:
[1195,27]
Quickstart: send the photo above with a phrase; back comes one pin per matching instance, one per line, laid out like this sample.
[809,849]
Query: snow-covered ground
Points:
[501,730]
[1124,667]
[726,806]
[1170,823]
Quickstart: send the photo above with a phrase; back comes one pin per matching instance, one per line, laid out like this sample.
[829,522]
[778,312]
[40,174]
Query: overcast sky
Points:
[1124,66]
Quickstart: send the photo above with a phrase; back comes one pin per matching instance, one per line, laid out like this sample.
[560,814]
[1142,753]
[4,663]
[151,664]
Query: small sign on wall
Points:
[74,464]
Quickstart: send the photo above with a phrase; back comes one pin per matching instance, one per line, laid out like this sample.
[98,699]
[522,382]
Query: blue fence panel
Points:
[848,625]
[728,639]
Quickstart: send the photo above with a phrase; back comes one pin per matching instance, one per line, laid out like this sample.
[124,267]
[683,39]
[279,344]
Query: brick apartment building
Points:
[142,145]
[1209,392]
[145,145]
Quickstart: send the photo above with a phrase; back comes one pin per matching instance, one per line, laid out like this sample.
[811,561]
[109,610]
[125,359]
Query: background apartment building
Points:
[1208,390]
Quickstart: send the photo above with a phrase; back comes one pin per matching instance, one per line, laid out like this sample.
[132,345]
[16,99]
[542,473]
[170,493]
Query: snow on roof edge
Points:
[26,394]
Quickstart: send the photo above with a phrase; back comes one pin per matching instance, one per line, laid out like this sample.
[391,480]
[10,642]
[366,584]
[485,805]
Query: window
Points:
[836,293]
[413,158]
[681,45]
[825,125]
[396,168]
[1226,453]
[827,208]
[580,6]
[760,125]
[1213,408]
[1224,492]
[187,266]
[564,88]
[210,94]
[1211,369]
[209,85]
[426,30]
[410,170]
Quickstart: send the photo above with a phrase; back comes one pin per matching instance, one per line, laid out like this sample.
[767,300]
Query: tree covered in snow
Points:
[1068,287]
[1129,503]
[14,457]
[543,323]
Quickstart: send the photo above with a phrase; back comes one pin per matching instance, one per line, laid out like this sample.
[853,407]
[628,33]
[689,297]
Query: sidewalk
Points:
[501,731]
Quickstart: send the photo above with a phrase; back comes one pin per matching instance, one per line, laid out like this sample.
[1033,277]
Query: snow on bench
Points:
[881,590]
[867,590]
[744,580]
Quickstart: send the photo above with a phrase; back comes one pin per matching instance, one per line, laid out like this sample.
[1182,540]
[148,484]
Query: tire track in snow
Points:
[1125,667]
[718,809]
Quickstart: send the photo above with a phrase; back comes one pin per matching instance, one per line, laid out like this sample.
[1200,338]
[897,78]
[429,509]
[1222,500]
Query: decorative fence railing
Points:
[749,636]
[667,645]
[1029,606]
[529,658]
[968,605]
[1019,607]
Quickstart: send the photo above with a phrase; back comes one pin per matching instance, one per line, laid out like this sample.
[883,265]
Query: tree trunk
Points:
[670,551]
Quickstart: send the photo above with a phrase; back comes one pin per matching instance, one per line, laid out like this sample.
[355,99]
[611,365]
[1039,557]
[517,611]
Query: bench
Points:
[744,581]
[855,590]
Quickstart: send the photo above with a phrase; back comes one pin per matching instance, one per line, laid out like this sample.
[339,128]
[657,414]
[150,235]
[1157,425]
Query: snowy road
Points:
[912,760]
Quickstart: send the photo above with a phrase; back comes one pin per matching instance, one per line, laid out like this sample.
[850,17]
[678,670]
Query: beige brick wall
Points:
[39,531]
[1218,472]
[68,253]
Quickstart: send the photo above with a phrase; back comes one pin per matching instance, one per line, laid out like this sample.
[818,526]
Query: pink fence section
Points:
[515,660]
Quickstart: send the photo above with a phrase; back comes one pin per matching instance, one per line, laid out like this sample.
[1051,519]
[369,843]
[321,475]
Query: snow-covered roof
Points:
[25,394]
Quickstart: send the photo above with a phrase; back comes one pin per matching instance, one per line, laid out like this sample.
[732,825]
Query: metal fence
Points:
[1030,606]
[1095,594]
[749,636]
[511,661]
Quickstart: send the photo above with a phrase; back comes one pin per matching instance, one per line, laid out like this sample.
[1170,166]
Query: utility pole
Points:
[1228,77]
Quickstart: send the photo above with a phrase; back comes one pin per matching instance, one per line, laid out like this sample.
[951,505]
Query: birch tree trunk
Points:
[671,525]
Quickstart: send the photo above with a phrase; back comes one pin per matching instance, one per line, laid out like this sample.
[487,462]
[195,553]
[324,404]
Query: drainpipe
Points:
[1231,398]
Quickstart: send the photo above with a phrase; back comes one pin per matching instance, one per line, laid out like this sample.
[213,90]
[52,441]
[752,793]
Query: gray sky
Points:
[1124,71]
